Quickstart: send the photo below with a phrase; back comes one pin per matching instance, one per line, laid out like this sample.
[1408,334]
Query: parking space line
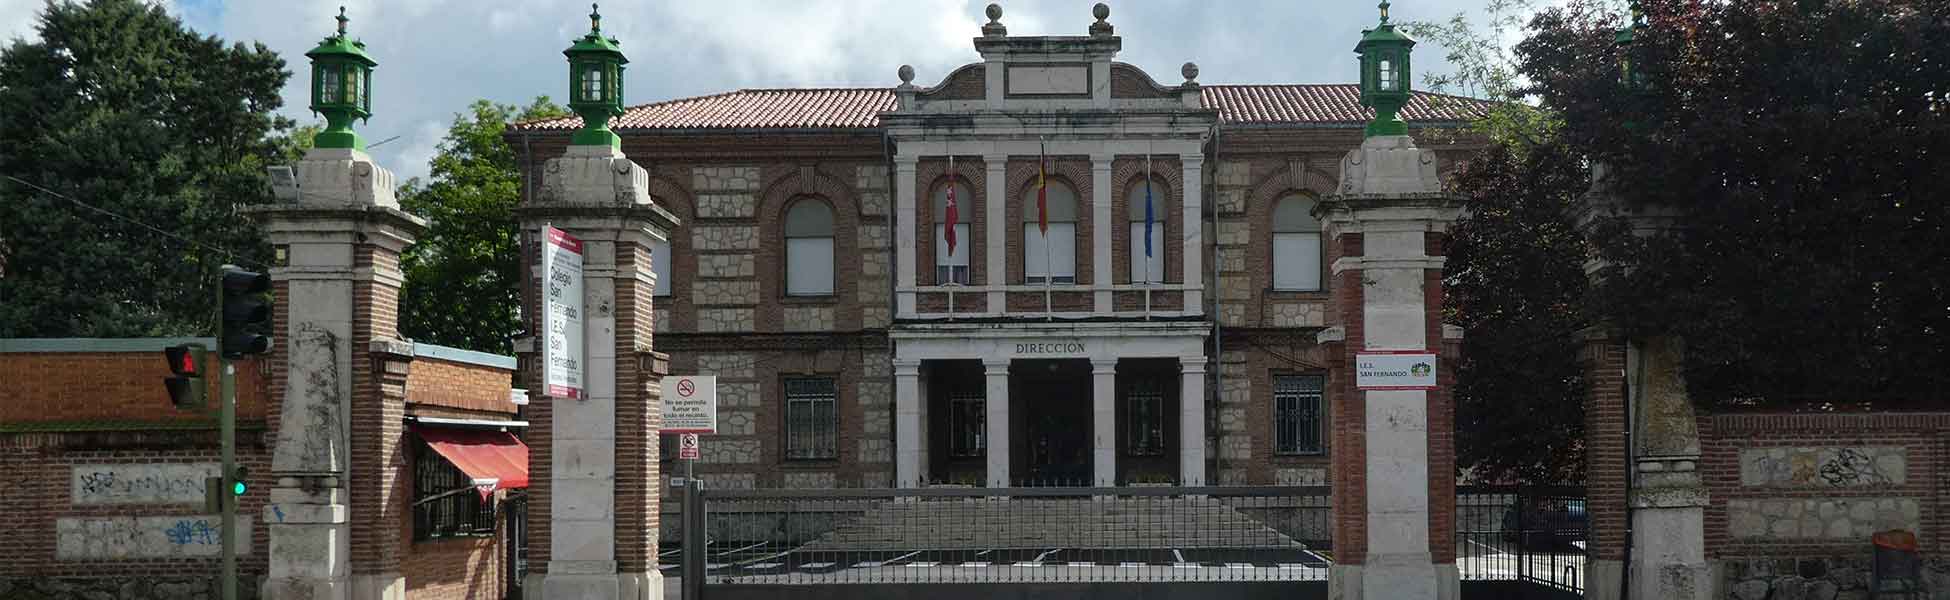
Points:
[1179,556]
[1130,565]
[1239,565]
[737,550]
[761,566]
[921,565]
[817,565]
[1184,565]
[899,558]
[1040,557]
[976,565]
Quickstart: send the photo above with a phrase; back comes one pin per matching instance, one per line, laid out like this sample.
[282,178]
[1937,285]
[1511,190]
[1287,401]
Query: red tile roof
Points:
[859,108]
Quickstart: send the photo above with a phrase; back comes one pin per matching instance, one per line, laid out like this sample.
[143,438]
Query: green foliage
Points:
[1512,281]
[120,106]
[1802,146]
[463,276]
[1484,69]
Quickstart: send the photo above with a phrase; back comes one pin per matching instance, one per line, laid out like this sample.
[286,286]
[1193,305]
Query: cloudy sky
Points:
[436,56]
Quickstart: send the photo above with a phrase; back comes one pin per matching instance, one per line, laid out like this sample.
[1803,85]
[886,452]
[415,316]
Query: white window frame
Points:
[1148,270]
[1061,243]
[951,268]
[1297,250]
[809,257]
[660,264]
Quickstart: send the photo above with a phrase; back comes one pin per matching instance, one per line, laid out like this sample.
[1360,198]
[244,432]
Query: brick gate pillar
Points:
[1394,467]
[333,516]
[593,460]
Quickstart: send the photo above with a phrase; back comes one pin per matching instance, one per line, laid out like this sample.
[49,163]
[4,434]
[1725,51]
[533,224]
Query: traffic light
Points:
[246,313]
[186,388]
[239,481]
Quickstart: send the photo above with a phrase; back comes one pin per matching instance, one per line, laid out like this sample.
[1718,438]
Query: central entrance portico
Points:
[1050,403]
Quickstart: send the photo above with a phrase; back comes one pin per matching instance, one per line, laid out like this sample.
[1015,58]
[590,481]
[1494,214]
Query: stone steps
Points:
[979,523]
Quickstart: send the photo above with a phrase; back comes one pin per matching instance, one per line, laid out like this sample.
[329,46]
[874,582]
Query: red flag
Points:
[954,215]
[1042,195]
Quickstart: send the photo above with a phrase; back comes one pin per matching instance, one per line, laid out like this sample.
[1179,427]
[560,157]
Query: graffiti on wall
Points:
[1824,467]
[156,483]
[115,538]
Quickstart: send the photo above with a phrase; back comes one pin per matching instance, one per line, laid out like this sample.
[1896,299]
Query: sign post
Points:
[562,352]
[690,407]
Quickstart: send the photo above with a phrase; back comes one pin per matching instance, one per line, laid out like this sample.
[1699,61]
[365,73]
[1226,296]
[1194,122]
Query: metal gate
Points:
[516,545]
[1531,534]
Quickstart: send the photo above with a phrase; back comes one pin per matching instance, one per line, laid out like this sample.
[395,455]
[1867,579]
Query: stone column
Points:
[1102,222]
[599,486]
[1103,421]
[332,520]
[1385,220]
[1665,494]
[996,421]
[904,234]
[908,470]
[1194,219]
[995,209]
[1191,420]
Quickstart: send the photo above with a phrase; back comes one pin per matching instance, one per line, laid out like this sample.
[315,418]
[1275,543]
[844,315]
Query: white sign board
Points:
[561,314]
[687,446]
[1408,370]
[690,404]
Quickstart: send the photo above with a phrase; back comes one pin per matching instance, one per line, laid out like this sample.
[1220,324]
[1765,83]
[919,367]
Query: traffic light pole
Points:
[228,432]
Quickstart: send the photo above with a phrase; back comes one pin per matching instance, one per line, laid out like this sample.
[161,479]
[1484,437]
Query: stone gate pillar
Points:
[593,460]
[1394,458]
[336,282]
[1638,384]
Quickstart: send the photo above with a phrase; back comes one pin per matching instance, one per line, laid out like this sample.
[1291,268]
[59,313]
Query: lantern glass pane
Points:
[365,89]
[1387,75]
[330,93]
[352,88]
[592,85]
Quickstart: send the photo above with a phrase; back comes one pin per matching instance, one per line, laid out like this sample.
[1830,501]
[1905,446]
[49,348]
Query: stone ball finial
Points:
[907,74]
[1101,10]
[994,12]
[1190,71]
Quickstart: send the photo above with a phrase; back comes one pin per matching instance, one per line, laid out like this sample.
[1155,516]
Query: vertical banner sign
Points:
[690,404]
[562,314]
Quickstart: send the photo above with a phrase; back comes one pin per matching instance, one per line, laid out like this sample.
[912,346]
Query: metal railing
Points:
[989,535]
[1532,534]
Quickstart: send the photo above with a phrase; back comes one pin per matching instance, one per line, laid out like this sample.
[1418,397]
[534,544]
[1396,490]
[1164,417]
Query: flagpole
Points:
[1147,235]
[949,231]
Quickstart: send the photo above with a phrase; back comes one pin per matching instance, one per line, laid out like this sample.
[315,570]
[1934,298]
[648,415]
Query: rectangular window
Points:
[812,425]
[1144,410]
[1296,414]
[445,502]
[968,423]
[809,266]
[660,264]
[951,268]
[1152,269]
[1061,247]
[1296,261]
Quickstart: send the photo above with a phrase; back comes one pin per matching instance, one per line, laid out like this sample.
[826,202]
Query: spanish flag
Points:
[954,215]
[1042,193]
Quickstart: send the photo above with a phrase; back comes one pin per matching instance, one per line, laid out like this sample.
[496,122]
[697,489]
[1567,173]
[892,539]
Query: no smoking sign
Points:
[690,404]
[687,446]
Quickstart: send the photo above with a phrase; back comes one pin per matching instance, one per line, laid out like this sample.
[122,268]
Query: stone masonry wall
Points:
[1796,497]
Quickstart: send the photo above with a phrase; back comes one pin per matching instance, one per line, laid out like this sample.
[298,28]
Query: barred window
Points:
[812,427]
[1144,408]
[968,423]
[1296,414]
[445,502]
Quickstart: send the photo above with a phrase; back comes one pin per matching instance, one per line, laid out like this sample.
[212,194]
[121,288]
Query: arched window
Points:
[808,248]
[1147,252]
[1296,244]
[951,267]
[1052,257]
[660,265]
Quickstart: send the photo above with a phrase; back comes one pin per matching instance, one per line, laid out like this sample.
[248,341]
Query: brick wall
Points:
[1795,497]
[110,386]
[443,383]
[1604,439]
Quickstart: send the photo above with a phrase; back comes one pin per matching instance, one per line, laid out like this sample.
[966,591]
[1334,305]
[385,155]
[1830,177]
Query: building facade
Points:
[1133,293]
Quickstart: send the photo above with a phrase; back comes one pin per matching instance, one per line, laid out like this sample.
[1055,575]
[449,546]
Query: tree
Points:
[1802,145]
[1513,273]
[121,107]
[462,277]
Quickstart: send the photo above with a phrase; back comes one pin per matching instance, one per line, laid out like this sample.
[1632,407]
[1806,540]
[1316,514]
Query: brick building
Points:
[854,345]
[104,478]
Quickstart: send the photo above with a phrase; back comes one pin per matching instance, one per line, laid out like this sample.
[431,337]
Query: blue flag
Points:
[1147,217]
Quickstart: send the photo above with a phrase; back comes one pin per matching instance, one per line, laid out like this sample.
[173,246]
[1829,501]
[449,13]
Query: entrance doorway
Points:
[1049,402]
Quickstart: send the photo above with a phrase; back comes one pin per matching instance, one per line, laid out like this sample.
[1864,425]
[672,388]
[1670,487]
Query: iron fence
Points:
[1538,535]
[984,535]
[1089,534]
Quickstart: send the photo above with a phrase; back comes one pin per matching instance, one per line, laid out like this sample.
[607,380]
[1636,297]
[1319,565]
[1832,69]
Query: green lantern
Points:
[596,83]
[341,87]
[1385,75]
[1628,74]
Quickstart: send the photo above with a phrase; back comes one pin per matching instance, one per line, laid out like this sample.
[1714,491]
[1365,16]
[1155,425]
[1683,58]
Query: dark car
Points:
[1547,523]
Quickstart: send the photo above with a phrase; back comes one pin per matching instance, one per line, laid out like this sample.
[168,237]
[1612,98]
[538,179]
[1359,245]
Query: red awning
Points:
[493,459]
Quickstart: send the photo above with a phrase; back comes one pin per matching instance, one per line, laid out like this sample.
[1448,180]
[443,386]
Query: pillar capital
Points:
[1192,364]
[996,366]
[1101,366]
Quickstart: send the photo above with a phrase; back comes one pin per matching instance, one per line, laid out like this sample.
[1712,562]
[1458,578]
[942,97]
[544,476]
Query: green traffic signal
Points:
[237,485]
